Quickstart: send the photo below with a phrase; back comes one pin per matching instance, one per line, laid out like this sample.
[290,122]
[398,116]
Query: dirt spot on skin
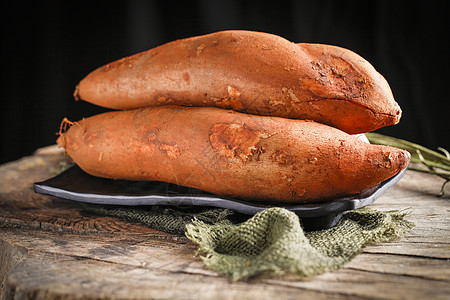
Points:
[280,102]
[295,194]
[340,77]
[233,93]
[151,136]
[123,62]
[200,49]
[291,94]
[230,102]
[172,151]
[164,100]
[187,78]
[235,140]
[90,139]
[151,140]
[312,160]
[282,158]
[388,159]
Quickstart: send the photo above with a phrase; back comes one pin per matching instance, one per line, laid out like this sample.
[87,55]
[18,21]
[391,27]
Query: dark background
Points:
[47,47]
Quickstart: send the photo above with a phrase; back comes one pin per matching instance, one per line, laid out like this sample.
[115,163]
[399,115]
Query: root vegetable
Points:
[232,154]
[252,72]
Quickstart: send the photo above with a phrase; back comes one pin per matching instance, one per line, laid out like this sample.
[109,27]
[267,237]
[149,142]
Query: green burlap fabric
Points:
[270,241]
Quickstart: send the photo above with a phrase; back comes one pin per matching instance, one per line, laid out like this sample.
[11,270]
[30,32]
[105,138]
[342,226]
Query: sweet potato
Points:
[238,155]
[252,72]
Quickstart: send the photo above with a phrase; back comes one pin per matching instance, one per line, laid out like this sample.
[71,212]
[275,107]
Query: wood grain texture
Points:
[51,249]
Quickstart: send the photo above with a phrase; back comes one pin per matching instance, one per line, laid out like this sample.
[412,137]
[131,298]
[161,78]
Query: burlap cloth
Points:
[273,240]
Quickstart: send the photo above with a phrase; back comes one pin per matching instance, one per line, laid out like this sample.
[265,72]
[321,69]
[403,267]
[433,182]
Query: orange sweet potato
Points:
[257,158]
[252,72]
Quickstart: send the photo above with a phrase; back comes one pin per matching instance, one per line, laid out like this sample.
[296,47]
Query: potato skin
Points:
[252,72]
[257,158]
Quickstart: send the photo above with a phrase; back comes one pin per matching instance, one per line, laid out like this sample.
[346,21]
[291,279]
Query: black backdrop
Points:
[47,47]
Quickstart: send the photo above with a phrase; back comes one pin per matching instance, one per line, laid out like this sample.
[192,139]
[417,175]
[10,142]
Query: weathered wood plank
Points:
[145,281]
[177,258]
[133,250]
[177,255]
[437,250]
[436,269]
[10,255]
[372,285]
[39,277]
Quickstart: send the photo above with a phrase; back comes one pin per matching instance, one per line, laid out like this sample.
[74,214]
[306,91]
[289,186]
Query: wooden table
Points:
[51,249]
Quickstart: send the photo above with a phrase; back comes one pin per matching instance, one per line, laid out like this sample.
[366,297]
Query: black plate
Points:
[75,184]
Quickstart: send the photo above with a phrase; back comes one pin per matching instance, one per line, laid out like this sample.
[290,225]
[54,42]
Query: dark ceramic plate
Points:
[74,184]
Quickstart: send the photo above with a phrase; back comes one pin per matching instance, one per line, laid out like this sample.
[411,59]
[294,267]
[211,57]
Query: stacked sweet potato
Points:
[241,114]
